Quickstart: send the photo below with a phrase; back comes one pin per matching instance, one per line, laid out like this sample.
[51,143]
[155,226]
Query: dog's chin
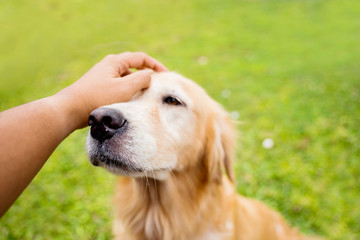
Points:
[122,167]
[154,174]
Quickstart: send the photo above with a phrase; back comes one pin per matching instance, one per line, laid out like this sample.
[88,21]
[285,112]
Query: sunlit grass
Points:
[292,71]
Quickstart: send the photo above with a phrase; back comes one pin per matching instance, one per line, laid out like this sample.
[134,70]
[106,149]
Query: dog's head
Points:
[172,126]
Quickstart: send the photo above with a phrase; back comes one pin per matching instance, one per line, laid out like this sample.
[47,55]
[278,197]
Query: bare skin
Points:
[31,132]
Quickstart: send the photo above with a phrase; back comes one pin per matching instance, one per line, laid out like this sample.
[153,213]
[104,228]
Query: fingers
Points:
[136,81]
[139,60]
[128,72]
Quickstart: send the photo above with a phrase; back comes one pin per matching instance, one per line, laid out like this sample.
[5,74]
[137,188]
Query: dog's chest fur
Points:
[153,209]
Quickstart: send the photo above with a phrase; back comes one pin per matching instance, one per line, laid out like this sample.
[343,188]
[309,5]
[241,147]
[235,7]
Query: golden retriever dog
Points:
[174,146]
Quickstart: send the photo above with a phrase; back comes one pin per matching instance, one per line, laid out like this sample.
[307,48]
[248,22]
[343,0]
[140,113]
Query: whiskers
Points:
[151,184]
[147,186]
[172,173]
[156,199]
[71,165]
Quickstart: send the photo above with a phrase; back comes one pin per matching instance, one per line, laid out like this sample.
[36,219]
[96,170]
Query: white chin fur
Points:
[155,174]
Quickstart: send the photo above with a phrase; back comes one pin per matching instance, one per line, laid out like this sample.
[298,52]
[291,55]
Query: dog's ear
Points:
[219,149]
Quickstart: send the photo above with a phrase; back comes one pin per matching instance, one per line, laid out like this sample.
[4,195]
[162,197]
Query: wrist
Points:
[69,108]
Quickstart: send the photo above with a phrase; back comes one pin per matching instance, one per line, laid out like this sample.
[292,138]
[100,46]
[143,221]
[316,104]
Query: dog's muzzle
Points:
[105,123]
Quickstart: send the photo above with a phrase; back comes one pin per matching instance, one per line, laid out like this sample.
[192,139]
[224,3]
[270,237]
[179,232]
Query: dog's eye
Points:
[172,101]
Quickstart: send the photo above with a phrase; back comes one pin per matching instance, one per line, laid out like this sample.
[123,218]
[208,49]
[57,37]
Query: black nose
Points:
[105,122]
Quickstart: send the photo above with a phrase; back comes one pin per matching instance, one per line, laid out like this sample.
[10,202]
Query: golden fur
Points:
[196,199]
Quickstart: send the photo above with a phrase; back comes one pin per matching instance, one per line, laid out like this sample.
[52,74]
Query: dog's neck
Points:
[154,209]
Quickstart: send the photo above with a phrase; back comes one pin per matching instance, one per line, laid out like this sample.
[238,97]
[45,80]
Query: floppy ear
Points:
[219,149]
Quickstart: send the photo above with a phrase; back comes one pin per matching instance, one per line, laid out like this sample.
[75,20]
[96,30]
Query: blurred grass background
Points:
[291,68]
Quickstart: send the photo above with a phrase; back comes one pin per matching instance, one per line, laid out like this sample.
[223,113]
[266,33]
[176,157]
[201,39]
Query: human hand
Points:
[109,81]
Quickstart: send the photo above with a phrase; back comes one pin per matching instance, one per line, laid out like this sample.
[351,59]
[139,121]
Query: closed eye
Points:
[172,101]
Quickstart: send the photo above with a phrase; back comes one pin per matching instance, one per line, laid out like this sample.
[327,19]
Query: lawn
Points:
[290,69]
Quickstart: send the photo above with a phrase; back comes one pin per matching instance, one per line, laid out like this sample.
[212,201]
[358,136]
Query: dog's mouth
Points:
[119,157]
[115,163]
[123,167]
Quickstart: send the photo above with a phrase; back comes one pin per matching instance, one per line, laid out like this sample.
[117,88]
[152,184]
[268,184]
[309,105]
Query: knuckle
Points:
[125,54]
[141,54]
[110,57]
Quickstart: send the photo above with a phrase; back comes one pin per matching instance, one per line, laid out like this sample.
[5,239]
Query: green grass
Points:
[292,68]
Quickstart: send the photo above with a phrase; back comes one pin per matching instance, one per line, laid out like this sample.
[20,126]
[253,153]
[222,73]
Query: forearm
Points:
[30,133]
